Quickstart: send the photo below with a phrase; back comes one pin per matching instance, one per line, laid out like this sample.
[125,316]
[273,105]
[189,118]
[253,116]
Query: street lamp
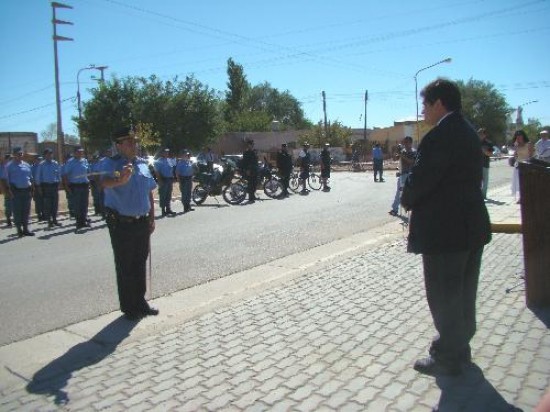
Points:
[519,117]
[56,38]
[447,60]
[79,103]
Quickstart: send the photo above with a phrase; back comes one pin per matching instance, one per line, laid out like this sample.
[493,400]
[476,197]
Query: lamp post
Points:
[56,38]
[519,115]
[447,60]
[79,102]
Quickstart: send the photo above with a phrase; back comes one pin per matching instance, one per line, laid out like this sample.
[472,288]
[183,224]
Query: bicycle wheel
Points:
[294,183]
[273,188]
[234,193]
[314,181]
[199,195]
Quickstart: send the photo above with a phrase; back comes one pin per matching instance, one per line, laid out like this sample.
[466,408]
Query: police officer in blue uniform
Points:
[184,174]
[19,179]
[130,213]
[75,179]
[47,181]
[4,186]
[165,176]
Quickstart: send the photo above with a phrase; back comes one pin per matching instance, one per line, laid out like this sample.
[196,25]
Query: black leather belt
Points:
[17,189]
[49,184]
[78,184]
[132,219]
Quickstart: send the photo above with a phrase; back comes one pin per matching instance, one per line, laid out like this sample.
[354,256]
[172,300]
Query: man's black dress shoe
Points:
[27,233]
[133,316]
[432,367]
[150,311]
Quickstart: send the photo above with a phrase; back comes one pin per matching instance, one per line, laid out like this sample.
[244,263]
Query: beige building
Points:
[28,141]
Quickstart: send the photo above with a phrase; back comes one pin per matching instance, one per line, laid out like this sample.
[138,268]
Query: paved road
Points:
[60,278]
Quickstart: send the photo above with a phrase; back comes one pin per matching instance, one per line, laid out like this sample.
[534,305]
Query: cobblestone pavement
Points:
[340,337]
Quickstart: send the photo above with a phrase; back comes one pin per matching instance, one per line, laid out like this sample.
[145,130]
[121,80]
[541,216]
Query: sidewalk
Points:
[334,328]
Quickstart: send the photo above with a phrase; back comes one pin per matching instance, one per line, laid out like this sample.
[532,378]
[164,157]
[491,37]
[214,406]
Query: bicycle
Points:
[313,181]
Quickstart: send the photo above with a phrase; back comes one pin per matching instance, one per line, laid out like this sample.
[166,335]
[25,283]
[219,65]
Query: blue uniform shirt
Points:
[184,168]
[377,153]
[77,170]
[131,199]
[163,166]
[19,174]
[48,172]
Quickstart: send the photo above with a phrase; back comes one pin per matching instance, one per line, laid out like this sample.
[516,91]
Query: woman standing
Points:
[524,151]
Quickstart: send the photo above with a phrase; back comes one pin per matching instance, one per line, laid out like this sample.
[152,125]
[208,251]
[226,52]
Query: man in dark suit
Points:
[449,225]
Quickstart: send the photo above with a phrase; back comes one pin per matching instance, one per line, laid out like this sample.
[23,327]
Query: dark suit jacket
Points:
[443,191]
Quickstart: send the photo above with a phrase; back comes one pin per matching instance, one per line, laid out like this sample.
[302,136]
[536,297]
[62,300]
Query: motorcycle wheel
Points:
[314,181]
[234,194]
[273,188]
[199,195]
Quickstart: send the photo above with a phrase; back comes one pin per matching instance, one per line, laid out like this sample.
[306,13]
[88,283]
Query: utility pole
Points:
[365,126]
[325,115]
[56,38]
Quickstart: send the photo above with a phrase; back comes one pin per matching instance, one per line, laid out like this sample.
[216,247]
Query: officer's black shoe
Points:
[56,223]
[50,225]
[8,222]
[150,311]
[170,212]
[27,233]
[19,233]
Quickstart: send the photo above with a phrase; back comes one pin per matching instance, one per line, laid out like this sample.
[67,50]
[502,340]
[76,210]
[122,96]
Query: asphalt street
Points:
[59,278]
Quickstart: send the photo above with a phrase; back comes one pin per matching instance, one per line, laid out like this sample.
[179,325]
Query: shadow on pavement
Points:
[470,392]
[52,378]
[543,314]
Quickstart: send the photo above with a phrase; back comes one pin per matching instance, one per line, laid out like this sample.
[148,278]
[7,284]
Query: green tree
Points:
[174,113]
[484,106]
[338,135]
[237,90]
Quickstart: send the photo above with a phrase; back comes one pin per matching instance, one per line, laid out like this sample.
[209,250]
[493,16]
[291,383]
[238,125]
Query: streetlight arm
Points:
[447,60]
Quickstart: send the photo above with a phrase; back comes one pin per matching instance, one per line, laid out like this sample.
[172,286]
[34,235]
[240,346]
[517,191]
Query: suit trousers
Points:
[451,281]
[130,242]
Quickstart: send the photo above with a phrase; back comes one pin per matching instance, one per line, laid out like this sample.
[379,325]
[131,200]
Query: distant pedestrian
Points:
[130,215]
[326,162]
[184,174]
[249,167]
[542,147]
[406,155]
[378,162]
[48,178]
[20,187]
[523,151]
[304,162]
[77,184]
[284,167]
[449,225]
[487,148]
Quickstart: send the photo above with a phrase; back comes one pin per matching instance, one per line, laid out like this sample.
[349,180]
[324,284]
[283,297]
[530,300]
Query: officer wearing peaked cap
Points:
[19,179]
[130,214]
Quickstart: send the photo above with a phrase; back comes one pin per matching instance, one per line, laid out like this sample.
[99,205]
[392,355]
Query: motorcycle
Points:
[215,183]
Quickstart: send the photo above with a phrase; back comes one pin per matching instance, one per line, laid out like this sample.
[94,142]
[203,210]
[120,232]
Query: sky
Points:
[344,48]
